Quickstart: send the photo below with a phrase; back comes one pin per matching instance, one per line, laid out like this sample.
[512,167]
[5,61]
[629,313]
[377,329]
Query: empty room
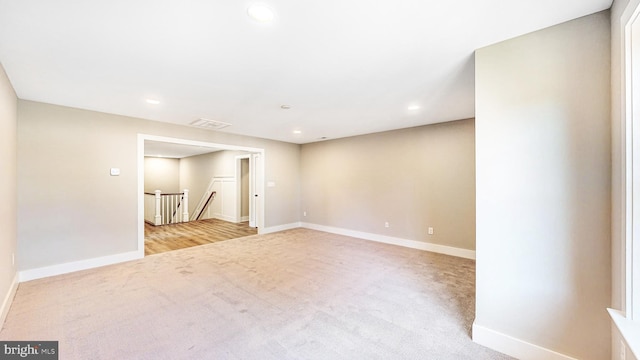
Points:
[398,179]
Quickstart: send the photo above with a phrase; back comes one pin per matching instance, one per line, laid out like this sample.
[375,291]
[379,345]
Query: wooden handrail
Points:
[164,194]
[213,193]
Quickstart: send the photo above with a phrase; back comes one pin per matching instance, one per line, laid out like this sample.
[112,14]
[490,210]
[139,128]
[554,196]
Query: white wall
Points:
[197,171]
[70,209]
[224,205]
[543,190]
[8,191]
[162,174]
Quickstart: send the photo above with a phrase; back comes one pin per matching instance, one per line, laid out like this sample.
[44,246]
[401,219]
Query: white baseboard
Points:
[53,270]
[8,299]
[513,347]
[38,273]
[223,217]
[244,218]
[272,229]
[442,249]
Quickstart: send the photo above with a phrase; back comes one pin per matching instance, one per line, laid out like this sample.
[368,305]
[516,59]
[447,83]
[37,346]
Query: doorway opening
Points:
[239,210]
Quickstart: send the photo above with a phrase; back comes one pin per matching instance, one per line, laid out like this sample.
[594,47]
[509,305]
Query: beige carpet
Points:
[297,294]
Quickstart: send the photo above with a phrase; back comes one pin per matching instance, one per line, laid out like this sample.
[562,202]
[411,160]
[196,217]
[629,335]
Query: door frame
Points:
[257,171]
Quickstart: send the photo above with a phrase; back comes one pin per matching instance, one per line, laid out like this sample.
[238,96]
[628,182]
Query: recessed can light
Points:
[413,107]
[261,13]
[153,101]
[297,131]
[285,107]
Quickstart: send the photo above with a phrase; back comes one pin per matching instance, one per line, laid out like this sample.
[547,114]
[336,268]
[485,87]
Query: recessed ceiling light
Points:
[285,107]
[261,13]
[297,131]
[413,107]
[153,101]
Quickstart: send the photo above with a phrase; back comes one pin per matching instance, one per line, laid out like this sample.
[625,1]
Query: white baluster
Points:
[158,217]
[163,209]
[185,206]
[172,208]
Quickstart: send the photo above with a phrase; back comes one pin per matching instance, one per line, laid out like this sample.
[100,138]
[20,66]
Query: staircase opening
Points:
[214,201]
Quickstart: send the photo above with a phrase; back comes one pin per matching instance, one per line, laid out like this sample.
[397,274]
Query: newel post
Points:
[185,206]
[158,217]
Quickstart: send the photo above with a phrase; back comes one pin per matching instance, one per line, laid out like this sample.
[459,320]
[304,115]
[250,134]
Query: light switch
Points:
[115,172]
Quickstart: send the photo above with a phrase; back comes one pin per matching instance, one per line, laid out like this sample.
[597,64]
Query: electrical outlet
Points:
[386,224]
[430,231]
[623,350]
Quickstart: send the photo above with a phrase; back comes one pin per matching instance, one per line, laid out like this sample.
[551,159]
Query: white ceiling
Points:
[175,151]
[346,67]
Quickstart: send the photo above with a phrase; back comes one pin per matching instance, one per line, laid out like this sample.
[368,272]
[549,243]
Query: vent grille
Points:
[209,124]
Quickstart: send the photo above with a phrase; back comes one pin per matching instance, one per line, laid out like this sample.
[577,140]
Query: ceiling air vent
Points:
[209,124]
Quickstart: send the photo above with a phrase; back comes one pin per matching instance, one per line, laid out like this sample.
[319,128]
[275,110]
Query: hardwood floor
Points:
[159,239]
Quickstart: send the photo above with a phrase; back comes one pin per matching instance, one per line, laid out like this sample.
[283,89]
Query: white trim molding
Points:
[70,267]
[629,329]
[513,347]
[272,229]
[420,245]
[259,173]
[625,316]
[6,303]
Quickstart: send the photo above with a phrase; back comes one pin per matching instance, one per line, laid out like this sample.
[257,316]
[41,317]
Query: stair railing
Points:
[167,208]
[206,204]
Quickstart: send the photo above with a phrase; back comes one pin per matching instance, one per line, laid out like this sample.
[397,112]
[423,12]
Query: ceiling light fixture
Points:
[285,107]
[297,131]
[413,107]
[261,13]
[153,101]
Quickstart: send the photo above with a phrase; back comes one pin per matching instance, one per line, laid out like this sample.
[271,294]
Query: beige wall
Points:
[70,209]
[162,174]
[412,179]
[196,172]
[8,190]
[543,187]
